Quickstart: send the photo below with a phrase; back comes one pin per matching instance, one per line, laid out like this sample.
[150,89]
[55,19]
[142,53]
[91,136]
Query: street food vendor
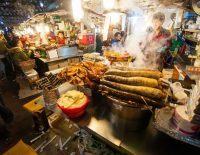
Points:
[40,52]
[61,39]
[116,39]
[24,40]
[99,43]
[18,54]
[51,37]
[158,42]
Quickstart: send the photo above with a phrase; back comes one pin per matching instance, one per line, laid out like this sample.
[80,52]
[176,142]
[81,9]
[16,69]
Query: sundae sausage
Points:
[136,73]
[140,90]
[130,96]
[136,81]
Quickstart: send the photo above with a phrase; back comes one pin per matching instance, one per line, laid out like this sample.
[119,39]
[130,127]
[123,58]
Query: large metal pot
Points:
[125,116]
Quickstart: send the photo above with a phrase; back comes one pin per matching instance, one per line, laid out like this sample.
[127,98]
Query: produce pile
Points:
[142,86]
[85,73]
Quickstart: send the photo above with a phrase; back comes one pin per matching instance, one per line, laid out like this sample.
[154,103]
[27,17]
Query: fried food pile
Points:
[115,56]
[85,73]
[93,57]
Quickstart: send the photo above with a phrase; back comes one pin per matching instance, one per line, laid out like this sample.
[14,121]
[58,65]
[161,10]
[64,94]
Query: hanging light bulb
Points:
[77,10]
[108,4]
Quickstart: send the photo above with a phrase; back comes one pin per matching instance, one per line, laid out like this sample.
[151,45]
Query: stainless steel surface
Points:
[163,124]
[36,138]
[44,142]
[149,141]
[93,121]
[67,51]
[63,145]
[61,58]
[47,143]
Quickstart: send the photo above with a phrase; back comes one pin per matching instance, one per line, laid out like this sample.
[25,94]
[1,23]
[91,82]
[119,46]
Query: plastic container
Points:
[76,111]
[87,39]
[50,97]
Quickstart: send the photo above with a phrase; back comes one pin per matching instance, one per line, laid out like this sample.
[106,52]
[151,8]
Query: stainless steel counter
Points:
[149,141]
[45,65]
[61,58]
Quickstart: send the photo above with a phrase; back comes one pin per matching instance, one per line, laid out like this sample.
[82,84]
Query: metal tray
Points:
[163,123]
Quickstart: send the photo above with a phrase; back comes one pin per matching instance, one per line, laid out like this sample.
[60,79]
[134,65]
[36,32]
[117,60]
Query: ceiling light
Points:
[41,5]
[77,10]
[108,4]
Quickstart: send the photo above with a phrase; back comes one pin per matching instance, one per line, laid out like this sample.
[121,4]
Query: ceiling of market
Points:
[13,12]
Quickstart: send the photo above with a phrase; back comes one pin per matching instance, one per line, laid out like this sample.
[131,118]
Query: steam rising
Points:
[138,38]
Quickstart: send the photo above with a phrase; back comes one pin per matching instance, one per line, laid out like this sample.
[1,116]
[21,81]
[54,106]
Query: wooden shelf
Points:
[191,30]
[191,39]
[192,56]
[184,8]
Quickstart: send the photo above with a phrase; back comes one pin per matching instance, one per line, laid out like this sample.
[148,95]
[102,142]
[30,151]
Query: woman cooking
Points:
[158,42]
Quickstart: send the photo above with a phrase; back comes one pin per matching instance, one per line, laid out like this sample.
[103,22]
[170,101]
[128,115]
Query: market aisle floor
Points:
[22,119]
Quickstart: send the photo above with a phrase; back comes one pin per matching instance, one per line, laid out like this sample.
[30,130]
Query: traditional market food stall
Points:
[135,96]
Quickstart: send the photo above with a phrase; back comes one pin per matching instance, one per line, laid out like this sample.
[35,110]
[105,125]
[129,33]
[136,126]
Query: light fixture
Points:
[108,4]
[77,10]
[41,4]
